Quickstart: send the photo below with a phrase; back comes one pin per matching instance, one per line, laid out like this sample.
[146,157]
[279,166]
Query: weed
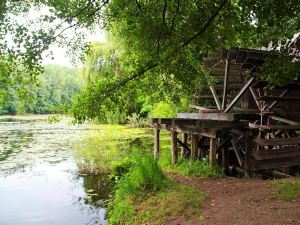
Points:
[286,189]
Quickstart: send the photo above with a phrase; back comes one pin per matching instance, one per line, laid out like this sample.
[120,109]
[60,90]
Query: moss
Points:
[287,190]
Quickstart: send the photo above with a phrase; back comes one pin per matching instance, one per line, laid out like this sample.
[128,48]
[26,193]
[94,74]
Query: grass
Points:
[143,193]
[287,190]
[179,202]
[146,196]
[144,178]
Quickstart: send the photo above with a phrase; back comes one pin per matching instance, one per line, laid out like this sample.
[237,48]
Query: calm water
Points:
[39,181]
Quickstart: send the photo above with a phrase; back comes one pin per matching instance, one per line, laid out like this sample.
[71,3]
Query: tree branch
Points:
[155,63]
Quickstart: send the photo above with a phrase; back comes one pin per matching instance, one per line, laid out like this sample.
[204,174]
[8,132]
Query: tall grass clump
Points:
[199,168]
[145,177]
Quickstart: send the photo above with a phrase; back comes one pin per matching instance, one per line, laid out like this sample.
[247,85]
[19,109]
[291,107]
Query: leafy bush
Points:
[136,120]
[163,110]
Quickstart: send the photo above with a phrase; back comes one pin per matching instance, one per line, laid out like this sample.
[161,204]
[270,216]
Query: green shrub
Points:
[136,120]
[163,110]
[144,177]
[121,168]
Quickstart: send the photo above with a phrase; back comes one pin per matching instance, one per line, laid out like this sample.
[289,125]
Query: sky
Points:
[59,53]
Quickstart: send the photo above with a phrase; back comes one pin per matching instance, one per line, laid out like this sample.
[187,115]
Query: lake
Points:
[39,179]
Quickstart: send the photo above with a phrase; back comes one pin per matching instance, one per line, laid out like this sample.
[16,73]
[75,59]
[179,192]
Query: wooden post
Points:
[174,152]
[248,154]
[156,143]
[225,159]
[213,151]
[195,144]
[184,141]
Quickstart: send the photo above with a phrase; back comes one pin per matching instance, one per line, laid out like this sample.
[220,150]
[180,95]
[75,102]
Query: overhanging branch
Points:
[146,68]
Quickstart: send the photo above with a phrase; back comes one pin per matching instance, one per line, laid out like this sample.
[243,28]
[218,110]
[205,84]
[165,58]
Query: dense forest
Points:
[52,93]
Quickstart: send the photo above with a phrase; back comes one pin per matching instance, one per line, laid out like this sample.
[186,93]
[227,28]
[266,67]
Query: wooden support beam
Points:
[195,145]
[174,150]
[255,97]
[184,141]
[248,154]
[156,143]
[213,151]
[276,102]
[237,152]
[225,159]
[216,97]
[225,87]
[239,95]
[284,120]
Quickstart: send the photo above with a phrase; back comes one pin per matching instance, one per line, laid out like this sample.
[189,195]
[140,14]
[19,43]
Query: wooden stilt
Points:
[212,151]
[174,152]
[156,143]
[248,154]
[225,159]
[184,141]
[195,144]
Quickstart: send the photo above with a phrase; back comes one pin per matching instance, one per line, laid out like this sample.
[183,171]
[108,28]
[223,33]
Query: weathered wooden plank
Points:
[225,89]
[213,151]
[208,116]
[254,96]
[278,141]
[237,152]
[263,83]
[278,98]
[230,117]
[280,155]
[275,163]
[284,120]
[275,127]
[276,102]
[184,142]
[239,95]
[174,149]
[216,97]
[156,143]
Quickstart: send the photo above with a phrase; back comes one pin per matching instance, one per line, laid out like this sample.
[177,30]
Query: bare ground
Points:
[237,201]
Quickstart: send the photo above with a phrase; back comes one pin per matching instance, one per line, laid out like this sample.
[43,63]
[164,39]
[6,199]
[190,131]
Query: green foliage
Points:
[200,169]
[144,177]
[54,93]
[164,110]
[136,120]
[286,190]
[157,47]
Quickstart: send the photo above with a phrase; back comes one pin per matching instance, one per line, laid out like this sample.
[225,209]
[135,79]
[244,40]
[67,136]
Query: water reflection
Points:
[39,183]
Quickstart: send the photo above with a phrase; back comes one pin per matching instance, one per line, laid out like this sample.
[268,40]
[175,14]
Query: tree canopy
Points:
[159,45]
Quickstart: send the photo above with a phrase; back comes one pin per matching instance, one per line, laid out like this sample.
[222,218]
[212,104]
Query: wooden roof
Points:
[241,60]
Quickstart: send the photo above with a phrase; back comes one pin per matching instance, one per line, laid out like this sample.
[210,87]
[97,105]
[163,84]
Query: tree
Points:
[166,38]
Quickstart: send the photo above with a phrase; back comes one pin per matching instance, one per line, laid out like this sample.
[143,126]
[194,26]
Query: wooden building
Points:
[246,126]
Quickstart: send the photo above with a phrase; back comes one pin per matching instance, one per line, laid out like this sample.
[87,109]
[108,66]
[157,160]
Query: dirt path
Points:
[233,201]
